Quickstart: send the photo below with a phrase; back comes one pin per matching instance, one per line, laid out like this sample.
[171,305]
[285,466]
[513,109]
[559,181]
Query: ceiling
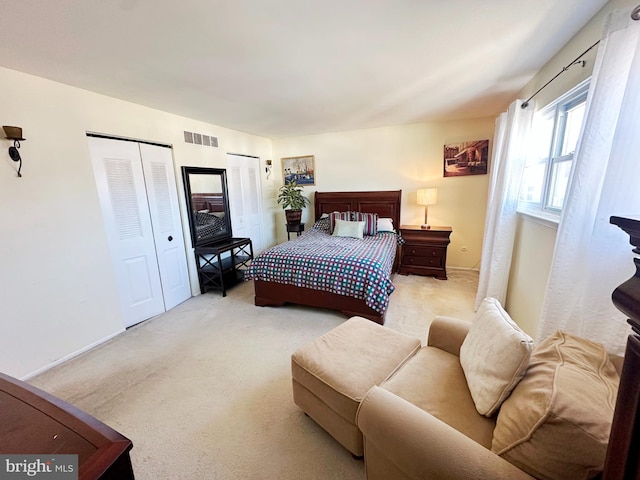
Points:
[281,68]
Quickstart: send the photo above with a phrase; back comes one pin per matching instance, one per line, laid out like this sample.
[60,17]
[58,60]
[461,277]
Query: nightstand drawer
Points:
[415,251]
[423,261]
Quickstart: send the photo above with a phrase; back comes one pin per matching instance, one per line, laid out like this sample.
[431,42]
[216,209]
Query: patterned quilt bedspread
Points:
[208,224]
[359,268]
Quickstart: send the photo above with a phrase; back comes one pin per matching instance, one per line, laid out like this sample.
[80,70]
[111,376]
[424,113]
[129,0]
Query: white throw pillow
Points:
[385,225]
[344,228]
[494,356]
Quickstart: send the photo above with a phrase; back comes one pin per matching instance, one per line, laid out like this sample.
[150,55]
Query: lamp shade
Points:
[13,133]
[427,196]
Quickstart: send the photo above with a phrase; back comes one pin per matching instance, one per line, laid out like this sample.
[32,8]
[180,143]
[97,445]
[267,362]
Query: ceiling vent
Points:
[200,139]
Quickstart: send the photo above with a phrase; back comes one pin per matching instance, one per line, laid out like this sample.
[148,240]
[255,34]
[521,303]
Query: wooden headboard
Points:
[214,202]
[384,203]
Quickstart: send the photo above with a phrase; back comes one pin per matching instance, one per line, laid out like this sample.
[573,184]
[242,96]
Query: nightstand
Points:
[424,251]
[298,228]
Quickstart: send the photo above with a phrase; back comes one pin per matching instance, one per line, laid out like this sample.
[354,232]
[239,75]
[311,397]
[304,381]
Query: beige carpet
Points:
[204,392]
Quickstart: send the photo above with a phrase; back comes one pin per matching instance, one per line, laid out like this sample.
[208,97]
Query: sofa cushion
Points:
[556,423]
[494,356]
[433,380]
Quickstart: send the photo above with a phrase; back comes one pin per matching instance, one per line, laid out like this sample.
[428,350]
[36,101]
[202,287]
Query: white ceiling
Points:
[290,67]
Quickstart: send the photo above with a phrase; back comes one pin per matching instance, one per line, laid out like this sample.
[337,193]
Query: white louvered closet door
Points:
[120,181]
[245,198]
[162,193]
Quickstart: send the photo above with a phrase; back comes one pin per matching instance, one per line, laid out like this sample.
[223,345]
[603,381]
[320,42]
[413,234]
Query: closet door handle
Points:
[170,238]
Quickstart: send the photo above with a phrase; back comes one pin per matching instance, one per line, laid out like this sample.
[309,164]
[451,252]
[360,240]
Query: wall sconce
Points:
[267,168]
[426,197]
[15,134]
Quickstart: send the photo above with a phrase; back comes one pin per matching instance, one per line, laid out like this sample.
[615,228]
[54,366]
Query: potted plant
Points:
[292,201]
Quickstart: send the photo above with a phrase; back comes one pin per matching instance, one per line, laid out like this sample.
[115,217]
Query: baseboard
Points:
[464,269]
[71,355]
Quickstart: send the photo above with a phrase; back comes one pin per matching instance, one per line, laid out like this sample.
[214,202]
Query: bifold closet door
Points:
[245,198]
[135,213]
[162,194]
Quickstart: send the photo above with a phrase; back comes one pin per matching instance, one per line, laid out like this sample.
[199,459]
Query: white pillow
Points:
[494,356]
[385,225]
[344,228]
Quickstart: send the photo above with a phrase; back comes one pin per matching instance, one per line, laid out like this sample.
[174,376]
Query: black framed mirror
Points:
[208,204]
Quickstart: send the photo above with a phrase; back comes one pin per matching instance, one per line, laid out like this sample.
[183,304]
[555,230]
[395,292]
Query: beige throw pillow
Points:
[557,421]
[494,356]
[345,228]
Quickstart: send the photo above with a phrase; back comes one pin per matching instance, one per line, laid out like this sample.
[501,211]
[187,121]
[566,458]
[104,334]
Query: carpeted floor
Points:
[204,391]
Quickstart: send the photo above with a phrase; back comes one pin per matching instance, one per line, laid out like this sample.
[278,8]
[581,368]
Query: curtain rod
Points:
[577,60]
[635,15]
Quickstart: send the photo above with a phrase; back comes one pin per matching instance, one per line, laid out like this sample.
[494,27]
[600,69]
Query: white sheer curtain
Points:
[591,256]
[507,165]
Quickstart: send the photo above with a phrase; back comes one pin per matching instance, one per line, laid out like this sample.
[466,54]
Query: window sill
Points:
[545,219]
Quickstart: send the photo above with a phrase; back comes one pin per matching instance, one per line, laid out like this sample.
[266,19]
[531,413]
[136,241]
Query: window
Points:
[554,137]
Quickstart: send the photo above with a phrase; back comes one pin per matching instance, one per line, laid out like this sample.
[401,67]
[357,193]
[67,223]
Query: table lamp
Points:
[426,197]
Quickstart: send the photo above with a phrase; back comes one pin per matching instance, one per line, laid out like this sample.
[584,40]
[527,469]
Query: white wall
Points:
[532,255]
[533,251]
[401,158]
[57,286]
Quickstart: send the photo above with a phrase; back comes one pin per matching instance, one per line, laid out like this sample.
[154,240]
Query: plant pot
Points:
[293,216]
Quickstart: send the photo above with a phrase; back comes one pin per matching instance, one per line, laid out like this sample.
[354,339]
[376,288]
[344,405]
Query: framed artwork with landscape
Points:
[301,169]
[466,158]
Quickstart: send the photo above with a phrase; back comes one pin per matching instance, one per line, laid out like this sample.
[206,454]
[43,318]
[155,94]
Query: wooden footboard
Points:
[278,294]
[385,204]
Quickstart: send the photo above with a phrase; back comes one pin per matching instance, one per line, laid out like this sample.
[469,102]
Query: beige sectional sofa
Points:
[422,422]
[546,416]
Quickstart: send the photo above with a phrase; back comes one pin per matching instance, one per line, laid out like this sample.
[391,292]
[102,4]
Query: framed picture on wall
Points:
[466,158]
[301,169]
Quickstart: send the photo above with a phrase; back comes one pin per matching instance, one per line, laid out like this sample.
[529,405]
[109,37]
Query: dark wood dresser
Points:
[624,442]
[33,422]
[424,251]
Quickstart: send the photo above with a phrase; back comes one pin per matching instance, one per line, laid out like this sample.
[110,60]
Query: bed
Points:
[208,224]
[369,302]
[208,214]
